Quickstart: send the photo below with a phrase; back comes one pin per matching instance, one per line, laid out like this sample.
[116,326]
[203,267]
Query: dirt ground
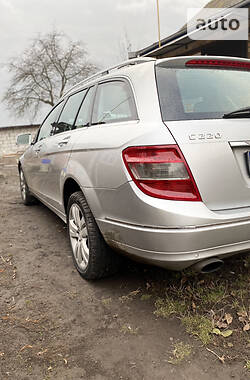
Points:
[55,325]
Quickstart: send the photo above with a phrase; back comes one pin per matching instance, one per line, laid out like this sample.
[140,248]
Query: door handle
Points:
[63,142]
[37,150]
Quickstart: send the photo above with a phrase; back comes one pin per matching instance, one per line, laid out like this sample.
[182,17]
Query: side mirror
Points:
[24,139]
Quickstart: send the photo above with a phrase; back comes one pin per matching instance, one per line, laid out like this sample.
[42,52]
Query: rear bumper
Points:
[170,234]
[177,248]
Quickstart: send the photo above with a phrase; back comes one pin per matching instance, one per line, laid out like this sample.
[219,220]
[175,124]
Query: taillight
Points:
[226,63]
[161,172]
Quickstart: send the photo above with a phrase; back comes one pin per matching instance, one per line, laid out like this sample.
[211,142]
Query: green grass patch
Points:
[180,352]
[215,295]
[166,307]
[200,326]
[201,302]
[208,295]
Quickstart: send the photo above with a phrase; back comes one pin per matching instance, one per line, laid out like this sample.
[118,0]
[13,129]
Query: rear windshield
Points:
[188,94]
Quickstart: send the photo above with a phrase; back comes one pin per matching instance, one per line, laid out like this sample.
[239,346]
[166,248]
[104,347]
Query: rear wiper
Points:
[242,112]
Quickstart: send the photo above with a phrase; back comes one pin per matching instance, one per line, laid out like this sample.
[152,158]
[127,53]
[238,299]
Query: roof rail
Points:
[129,62]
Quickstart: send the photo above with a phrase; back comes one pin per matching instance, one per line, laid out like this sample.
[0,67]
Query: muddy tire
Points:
[91,256]
[26,196]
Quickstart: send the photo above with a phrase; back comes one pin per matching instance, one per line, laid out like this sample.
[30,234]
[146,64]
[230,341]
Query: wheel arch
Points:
[70,186]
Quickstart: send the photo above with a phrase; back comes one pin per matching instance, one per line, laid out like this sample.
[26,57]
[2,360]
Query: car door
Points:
[73,120]
[35,168]
[96,159]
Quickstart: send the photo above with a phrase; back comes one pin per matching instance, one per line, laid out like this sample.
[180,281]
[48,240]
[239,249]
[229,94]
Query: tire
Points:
[26,196]
[91,256]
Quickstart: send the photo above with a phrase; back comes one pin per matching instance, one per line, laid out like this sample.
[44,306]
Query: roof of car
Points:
[106,73]
[129,67]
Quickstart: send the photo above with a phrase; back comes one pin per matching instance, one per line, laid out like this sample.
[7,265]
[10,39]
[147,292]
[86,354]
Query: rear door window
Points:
[114,103]
[68,115]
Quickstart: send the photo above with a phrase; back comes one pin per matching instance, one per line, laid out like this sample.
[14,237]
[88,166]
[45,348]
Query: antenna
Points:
[158,19]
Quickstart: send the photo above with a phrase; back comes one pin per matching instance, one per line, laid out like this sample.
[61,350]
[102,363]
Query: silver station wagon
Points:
[151,159]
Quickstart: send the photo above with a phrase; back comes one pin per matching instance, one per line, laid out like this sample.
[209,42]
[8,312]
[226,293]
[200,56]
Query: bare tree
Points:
[51,64]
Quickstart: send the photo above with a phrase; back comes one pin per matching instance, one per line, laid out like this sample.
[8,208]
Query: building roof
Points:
[20,126]
[181,37]
[223,3]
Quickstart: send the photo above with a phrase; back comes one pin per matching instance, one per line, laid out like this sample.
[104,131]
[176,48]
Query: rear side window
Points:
[84,115]
[114,103]
[68,115]
[188,94]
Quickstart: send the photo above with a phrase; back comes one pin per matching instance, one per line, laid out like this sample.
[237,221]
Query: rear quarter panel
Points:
[96,159]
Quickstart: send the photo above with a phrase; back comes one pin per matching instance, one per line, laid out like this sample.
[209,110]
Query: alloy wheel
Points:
[22,185]
[78,236]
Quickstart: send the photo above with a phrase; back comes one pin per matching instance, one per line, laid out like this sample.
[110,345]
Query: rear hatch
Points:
[194,99]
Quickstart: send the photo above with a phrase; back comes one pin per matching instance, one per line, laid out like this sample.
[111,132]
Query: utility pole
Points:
[158,18]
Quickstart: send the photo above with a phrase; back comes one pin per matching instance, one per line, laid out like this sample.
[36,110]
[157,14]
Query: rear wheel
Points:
[91,255]
[26,196]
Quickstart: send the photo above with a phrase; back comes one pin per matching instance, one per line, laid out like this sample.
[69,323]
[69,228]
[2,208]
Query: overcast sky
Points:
[100,24]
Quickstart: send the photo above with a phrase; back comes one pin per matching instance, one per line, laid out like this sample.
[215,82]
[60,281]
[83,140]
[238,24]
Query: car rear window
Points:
[188,94]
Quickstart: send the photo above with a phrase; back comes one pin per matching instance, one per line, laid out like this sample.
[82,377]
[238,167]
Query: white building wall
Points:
[8,137]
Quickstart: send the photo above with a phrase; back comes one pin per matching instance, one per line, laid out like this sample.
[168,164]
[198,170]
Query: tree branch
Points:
[40,76]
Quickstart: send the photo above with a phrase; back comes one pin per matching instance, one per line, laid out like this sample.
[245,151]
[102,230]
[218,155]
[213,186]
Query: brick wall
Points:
[8,137]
